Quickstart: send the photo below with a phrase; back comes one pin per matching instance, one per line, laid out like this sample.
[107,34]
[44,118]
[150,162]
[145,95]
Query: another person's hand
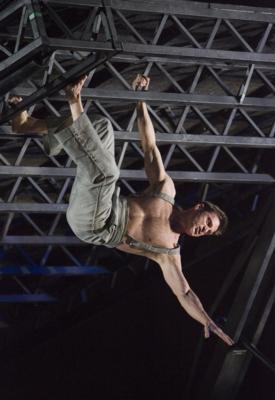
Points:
[141,82]
[212,327]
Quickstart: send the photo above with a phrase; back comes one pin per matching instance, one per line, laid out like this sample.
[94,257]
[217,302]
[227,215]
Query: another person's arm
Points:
[171,269]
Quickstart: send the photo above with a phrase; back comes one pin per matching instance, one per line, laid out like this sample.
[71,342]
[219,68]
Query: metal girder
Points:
[218,102]
[52,271]
[179,176]
[227,368]
[34,208]
[184,8]
[27,298]
[43,240]
[176,138]
[192,54]
[201,140]
[217,64]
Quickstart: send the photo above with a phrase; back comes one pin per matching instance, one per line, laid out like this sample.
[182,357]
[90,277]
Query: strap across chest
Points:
[149,247]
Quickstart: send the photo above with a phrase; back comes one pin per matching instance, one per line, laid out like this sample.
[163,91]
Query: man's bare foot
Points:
[73,90]
[141,82]
[13,100]
[20,119]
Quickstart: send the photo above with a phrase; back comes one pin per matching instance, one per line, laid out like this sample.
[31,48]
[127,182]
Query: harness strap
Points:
[160,195]
[165,197]
[149,247]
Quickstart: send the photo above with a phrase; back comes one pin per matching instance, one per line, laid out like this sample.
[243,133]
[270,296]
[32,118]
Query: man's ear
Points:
[199,206]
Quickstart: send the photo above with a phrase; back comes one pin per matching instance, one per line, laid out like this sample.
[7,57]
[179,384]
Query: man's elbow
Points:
[181,292]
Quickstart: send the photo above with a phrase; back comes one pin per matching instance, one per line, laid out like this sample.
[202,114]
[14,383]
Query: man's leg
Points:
[92,149]
[93,152]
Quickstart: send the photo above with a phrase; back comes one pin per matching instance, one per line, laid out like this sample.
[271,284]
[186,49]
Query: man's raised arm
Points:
[171,269]
[153,163]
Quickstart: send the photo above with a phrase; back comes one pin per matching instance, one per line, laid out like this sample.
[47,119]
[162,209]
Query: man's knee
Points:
[104,121]
[105,131]
[112,172]
[71,219]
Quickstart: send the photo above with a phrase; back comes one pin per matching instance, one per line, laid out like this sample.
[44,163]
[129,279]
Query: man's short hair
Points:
[221,215]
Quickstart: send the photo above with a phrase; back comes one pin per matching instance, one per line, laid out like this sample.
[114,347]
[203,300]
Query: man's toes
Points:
[14,99]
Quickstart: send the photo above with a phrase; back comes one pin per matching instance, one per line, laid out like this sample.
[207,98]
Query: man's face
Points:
[202,223]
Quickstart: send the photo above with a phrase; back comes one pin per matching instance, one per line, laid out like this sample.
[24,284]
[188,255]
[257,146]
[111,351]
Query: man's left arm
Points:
[171,269]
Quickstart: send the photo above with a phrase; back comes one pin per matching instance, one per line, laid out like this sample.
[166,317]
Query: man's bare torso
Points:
[149,220]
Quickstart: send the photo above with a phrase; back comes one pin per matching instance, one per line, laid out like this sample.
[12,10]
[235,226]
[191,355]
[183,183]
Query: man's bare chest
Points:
[150,221]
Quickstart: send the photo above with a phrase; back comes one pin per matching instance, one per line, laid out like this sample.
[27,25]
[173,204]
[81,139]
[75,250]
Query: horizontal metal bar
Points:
[194,54]
[183,8]
[210,177]
[157,98]
[35,240]
[201,140]
[219,64]
[175,138]
[181,98]
[27,298]
[179,176]
[38,208]
[13,171]
[52,271]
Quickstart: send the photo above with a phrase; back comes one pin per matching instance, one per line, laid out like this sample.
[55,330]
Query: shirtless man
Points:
[148,224]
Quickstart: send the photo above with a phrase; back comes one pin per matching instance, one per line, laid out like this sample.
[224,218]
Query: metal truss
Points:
[211,101]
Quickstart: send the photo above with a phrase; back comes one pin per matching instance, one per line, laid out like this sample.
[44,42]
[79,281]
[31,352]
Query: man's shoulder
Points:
[168,186]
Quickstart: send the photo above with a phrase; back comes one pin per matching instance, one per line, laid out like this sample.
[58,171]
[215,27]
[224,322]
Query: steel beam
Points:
[200,140]
[35,240]
[14,270]
[157,98]
[178,176]
[184,8]
[218,64]
[27,298]
[37,208]
[194,54]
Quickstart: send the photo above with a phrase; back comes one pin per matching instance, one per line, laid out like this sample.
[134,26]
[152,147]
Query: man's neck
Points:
[179,218]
